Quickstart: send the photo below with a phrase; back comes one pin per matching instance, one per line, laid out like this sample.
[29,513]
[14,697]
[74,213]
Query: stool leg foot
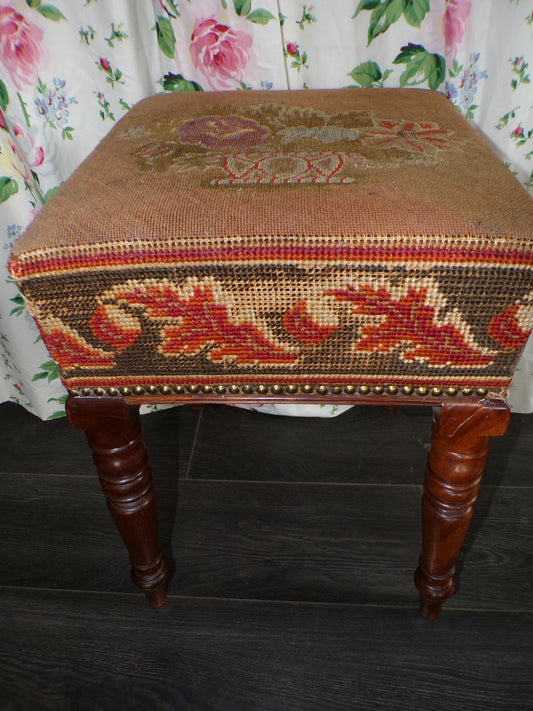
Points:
[460,441]
[114,433]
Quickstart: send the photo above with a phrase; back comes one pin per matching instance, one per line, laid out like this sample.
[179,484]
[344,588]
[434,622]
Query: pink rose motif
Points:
[219,132]
[20,47]
[454,23]
[33,154]
[220,53]
[292,49]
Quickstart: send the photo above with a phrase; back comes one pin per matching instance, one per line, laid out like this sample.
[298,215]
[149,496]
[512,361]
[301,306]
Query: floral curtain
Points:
[71,68]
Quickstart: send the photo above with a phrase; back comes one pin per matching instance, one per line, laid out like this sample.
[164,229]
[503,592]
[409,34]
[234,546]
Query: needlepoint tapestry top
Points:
[290,237]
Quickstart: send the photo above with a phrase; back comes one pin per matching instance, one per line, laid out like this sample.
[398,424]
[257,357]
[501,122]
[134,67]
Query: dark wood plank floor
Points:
[294,541]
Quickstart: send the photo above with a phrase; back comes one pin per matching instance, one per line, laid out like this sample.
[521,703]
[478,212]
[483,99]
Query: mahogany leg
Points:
[460,441]
[113,430]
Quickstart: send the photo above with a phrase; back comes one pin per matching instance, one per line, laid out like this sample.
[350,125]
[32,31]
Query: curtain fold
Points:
[69,71]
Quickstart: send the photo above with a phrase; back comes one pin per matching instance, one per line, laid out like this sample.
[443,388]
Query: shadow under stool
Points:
[346,246]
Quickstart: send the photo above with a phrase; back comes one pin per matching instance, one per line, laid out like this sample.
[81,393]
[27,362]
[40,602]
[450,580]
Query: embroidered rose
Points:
[454,23]
[292,49]
[218,132]
[20,47]
[220,53]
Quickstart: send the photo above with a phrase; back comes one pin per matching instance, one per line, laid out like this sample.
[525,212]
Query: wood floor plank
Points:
[28,444]
[308,542]
[62,651]
[365,444]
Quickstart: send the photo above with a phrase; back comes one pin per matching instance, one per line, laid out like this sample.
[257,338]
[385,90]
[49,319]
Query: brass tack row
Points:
[307,389]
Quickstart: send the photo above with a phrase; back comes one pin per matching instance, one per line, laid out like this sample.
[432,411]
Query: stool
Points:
[347,246]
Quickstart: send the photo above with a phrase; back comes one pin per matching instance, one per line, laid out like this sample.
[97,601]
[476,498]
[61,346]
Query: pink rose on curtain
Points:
[454,24]
[32,153]
[20,47]
[220,53]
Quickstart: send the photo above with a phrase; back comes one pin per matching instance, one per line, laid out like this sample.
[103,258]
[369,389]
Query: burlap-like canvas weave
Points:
[289,237]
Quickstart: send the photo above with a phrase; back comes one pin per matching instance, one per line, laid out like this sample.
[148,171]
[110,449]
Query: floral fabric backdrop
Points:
[69,69]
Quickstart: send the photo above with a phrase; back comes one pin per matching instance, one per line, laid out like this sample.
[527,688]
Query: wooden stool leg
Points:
[459,444]
[113,430]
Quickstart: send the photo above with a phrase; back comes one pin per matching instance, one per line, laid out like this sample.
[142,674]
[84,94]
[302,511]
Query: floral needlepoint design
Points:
[115,326]
[409,325]
[287,168]
[423,137]
[302,326]
[508,328]
[219,132]
[70,350]
[193,320]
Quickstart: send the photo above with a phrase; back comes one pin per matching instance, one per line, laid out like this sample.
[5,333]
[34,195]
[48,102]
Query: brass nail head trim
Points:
[292,389]
[349,389]
[207,389]
[307,389]
[451,391]
[364,390]
[220,389]
[277,389]
[194,389]
[247,389]
[234,389]
[322,390]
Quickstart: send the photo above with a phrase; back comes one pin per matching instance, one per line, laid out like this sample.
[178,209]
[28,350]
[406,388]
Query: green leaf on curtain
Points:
[8,187]
[242,7]
[365,5]
[177,83]
[366,74]
[166,37]
[4,96]
[20,305]
[414,11]
[33,3]
[383,17]
[260,17]
[49,372]
[421,66]
[51,12]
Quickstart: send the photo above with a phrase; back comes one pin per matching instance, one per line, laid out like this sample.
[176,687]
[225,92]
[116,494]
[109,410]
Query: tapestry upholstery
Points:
[318,239]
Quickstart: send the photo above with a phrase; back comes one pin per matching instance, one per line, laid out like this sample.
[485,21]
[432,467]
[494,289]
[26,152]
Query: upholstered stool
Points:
[350,246]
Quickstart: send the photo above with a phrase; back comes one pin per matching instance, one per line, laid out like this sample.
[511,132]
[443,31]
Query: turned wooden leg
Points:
[113,430]
[460,441]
